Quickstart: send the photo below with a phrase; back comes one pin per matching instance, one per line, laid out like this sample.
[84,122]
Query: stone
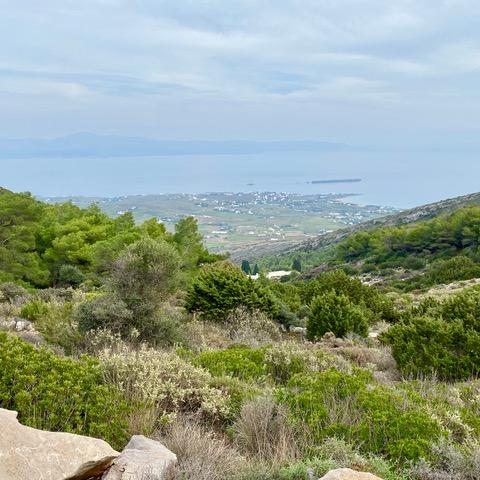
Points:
[141,459]
[298,330]
[22,325]
[348,474]
[27,453]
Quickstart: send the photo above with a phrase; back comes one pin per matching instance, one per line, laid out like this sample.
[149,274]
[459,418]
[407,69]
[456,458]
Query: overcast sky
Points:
[360,71]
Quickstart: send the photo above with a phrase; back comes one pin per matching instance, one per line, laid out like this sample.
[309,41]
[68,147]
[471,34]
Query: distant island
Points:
[337,180]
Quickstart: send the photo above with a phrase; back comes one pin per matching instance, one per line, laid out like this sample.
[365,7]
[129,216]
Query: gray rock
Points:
[27,453]
[141,459]
[22,325]
[298,330]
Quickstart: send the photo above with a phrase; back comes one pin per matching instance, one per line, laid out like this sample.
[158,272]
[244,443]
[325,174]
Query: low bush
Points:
[163,381]
[33,310]
[377,419]
[434,347]
[332,312]
[237,361]
[59,394]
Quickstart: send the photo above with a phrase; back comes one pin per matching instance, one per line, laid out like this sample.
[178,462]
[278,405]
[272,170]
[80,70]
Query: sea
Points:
[398,179]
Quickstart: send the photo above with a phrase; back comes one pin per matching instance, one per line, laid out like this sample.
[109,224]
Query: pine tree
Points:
[297,265]
[246,267]
[256,270]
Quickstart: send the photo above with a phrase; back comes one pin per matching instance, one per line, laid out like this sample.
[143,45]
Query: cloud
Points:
[121,52]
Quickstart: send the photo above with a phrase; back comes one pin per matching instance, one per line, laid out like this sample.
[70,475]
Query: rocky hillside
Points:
[424,212]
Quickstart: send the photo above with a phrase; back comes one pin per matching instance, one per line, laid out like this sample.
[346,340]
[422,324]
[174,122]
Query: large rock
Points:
[141,459]
[27,453]
[348,474]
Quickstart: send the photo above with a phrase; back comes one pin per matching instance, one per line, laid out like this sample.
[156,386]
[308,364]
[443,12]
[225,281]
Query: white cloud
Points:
[260,51]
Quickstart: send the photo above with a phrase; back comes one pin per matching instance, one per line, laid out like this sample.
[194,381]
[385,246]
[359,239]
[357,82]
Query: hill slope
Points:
[322,242]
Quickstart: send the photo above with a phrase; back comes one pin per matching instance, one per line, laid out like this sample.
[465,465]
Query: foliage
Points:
[378,305]
[142,277]
[70,275]
[164,380]
[439,338]
[61,244]
[221,288]
[377,419]
[331,312]
[59,394]
[238,361]
[443,237]
[246,267]
[432,346]
[34,309]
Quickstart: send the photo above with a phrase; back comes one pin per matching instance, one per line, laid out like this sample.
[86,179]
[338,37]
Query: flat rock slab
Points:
[30,454]
[348,474]
[141,459]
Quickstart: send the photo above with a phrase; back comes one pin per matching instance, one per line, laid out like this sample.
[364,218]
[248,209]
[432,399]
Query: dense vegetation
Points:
[140,330]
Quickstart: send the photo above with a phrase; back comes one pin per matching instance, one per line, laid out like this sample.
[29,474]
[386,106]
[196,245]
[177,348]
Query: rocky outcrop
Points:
[141,459]
[348,474]
[27,453]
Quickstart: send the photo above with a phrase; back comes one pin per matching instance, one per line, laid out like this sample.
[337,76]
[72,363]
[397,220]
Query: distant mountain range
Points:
[92,145]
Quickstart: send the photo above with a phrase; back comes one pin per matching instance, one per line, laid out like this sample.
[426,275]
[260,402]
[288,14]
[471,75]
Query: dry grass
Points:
[201,454]
[449,463]
[263,432]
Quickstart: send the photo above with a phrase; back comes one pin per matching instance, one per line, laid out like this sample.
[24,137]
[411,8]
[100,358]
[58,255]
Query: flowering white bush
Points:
[162,379]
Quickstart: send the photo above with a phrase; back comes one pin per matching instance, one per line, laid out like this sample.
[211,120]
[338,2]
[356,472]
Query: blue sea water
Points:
[400,179]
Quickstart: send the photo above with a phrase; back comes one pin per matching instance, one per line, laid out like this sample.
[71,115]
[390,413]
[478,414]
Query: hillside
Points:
[312,249]
[112,329]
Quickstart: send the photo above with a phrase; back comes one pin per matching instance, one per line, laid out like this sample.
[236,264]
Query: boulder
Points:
[27,453]
[348,474]
[141,459]
[22,325]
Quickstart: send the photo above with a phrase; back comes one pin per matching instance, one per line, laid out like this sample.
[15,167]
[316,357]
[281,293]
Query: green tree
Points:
[222,287]
[20,215]
[144,274]
[142,277]
[256,270]
[332,312]
[297,265]
[246,267]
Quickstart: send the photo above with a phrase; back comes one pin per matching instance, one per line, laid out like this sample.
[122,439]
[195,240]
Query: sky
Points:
[364,72]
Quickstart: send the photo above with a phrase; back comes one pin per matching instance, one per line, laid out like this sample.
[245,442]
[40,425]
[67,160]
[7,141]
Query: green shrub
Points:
[433,346]
[222,287]
[33,310]
[332,312]
[237,361]
[70,275]
[375,418]
[456,268]
[59,394]
[378,305]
